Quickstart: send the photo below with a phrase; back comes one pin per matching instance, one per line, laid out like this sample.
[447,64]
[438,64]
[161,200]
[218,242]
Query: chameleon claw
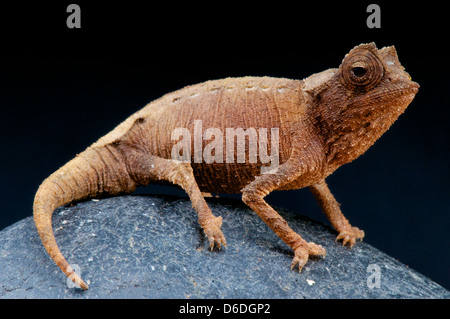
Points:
[214,233]
[300,261]
[350,236]
[302,254]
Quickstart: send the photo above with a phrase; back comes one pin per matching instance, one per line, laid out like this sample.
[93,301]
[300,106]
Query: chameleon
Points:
[324,121]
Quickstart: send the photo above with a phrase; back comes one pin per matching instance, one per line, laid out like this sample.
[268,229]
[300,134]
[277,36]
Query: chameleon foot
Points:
[303,252]
[349,236]
[214,234]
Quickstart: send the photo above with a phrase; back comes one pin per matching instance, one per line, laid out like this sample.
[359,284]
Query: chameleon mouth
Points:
[412,91]
[401,97]
[414,87]
[405,93]
[393,102]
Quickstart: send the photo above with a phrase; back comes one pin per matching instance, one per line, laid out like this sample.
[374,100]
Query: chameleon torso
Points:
[248,102]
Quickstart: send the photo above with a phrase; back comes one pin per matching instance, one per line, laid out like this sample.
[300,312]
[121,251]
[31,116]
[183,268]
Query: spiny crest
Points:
[361,47]
[390,57]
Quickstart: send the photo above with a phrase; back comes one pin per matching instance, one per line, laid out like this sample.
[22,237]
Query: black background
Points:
[61,89]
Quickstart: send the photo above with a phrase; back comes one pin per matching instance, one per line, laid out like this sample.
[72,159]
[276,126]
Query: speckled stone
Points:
[152,247]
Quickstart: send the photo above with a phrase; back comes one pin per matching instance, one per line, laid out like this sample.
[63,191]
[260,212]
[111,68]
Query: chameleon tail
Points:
[95,172]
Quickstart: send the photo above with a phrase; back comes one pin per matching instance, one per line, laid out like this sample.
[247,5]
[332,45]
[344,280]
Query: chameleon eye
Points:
[358,71]
[362,69]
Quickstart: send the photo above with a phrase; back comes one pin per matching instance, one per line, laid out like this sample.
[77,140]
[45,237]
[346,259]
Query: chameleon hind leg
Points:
[181,174]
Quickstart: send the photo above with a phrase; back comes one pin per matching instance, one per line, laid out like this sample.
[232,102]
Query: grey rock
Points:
[152,247]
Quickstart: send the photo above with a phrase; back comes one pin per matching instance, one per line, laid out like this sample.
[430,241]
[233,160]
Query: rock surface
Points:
[152,247]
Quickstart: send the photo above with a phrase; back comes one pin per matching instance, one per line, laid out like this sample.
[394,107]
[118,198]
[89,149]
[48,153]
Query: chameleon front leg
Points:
[253,195]
[330,207]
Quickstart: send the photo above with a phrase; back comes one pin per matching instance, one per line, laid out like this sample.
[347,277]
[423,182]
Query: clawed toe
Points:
[217,240]
[215,236]
[302,254]
[346,240]
[316,250]
[350,236]
[300,261]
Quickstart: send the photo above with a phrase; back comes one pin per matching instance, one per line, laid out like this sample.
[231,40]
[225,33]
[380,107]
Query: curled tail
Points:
[96,171]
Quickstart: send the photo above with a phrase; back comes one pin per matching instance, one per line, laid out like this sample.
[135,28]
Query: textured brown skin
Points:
[325,121]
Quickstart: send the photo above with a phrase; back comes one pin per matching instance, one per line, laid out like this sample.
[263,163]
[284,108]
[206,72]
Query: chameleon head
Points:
[359,101]
[375,80]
